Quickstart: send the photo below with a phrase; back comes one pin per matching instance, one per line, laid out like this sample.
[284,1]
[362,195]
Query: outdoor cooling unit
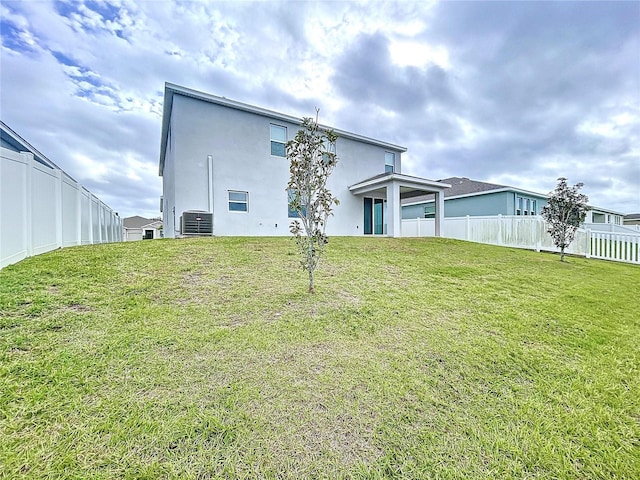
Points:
[196,223]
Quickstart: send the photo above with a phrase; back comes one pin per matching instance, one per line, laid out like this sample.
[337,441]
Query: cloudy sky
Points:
[516,93]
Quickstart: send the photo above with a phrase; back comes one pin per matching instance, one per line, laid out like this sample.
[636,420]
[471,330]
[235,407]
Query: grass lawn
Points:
[417,358]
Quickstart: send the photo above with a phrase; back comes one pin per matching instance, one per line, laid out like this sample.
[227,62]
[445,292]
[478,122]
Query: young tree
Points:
[312,159]
[565,212]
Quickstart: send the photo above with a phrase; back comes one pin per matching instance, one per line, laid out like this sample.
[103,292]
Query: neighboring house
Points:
[474,198]
[602,215]
[224,172]
[632,219]
[140,228]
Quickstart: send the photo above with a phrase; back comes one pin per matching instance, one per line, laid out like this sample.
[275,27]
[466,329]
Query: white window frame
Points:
[387,156]
[272,140]
[245,202]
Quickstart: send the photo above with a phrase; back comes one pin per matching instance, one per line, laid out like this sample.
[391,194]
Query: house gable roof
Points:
[171,89]
[138,222]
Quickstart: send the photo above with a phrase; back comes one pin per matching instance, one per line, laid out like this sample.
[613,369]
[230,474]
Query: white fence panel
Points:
[13,208]
[42,208]
[70,212]
[620,247]
[85,215]
[530,233]
[456,227]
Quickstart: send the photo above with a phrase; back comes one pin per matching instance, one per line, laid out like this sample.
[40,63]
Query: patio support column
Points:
[439,223]
[394,214]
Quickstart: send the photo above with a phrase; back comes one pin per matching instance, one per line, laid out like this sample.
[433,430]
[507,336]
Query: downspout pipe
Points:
[210,169]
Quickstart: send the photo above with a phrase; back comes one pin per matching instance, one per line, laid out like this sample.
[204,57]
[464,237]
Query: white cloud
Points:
[512,93]
[418,54]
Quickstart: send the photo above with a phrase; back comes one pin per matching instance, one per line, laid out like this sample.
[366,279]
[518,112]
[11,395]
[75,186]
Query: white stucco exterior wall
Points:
[239,142]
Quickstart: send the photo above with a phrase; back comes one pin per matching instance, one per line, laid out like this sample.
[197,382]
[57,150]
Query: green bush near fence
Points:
[417,358]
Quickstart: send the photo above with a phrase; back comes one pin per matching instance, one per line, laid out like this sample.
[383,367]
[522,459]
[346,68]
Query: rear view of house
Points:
[225,172]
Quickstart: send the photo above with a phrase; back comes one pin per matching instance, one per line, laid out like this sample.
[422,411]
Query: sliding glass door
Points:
[374,210]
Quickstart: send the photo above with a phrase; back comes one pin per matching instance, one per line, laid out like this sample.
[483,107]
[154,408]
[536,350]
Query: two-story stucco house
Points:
[225,172]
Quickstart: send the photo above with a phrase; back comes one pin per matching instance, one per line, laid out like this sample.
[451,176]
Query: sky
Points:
[514,93]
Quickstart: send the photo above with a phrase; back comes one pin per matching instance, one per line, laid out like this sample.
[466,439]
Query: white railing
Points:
[530,233]
[42,208]
[621,247]
[610,227]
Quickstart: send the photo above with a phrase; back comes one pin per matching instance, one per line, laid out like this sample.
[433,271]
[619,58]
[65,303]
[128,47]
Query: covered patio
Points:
[386,190]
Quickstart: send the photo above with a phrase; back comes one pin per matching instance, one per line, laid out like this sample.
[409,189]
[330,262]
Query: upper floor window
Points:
[278,140]
[534,208]
[238,201]
[329,147]
[389,162]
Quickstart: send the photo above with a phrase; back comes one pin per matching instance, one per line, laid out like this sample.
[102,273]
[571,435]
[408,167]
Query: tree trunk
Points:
[562,253]
[311,286]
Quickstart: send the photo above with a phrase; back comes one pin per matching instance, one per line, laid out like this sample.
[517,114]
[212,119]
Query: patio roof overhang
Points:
[410,186]
[396,186]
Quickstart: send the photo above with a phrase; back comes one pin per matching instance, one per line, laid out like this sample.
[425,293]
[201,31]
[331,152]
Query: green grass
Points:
[417,358]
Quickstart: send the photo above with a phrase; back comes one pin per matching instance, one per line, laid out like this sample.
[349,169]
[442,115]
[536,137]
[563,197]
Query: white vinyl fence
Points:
[530,233]
[42,208]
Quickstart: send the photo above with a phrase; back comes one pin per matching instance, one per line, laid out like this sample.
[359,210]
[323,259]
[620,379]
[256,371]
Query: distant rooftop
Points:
[463,186]
[138,221]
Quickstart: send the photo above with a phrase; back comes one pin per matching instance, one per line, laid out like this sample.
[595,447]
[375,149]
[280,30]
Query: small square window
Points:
[278,141]
[389,162]
[238,201]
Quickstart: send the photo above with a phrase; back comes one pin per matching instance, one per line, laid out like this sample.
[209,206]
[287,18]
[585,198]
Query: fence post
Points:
[28,203]
[539,234]
[78,213]
[90,218]
[467,228]
[499,229]
[58,204]
[588,249]
[418,225]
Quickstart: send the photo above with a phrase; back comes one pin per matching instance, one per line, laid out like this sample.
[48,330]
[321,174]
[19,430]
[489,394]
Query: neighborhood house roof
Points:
[463,187]
[138,221]
[171,89]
